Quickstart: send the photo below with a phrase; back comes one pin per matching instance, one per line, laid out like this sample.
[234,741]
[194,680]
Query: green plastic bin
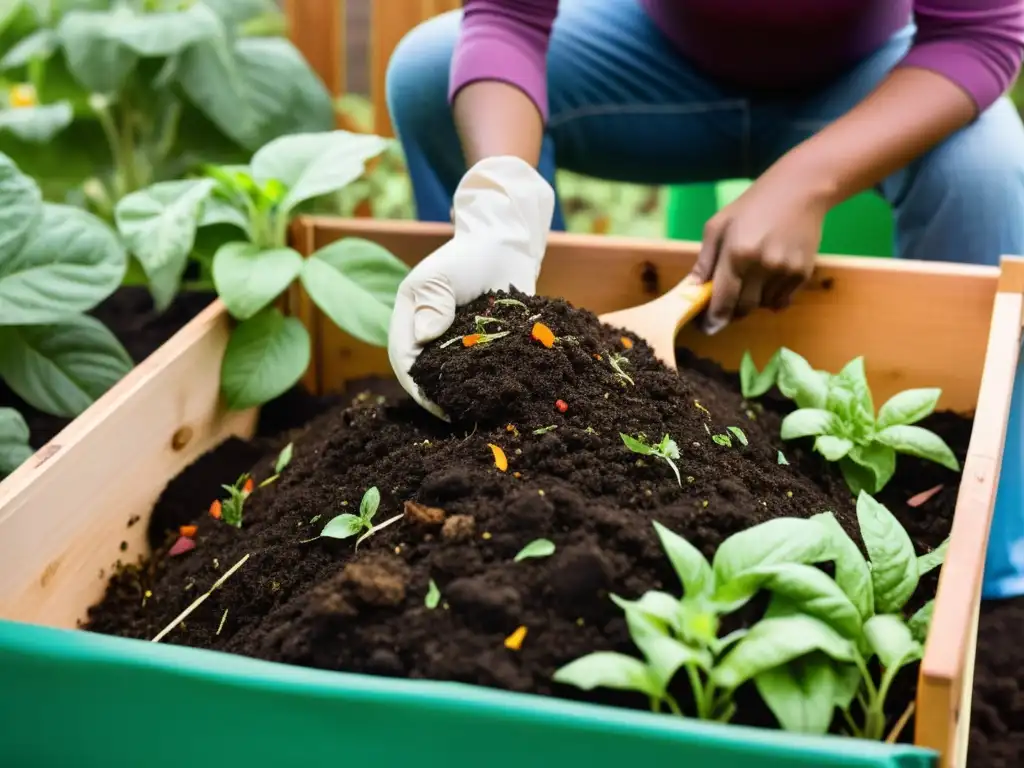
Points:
[861,226]
[78,699]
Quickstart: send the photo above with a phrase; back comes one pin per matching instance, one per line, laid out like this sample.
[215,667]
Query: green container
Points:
[861,226]
[80,700]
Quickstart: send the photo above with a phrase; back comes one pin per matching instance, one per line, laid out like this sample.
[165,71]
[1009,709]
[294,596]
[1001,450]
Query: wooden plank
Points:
[946,676]
[66,515]
[933,313]
[316,28]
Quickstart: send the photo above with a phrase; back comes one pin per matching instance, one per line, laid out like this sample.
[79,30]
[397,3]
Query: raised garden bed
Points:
[100,479]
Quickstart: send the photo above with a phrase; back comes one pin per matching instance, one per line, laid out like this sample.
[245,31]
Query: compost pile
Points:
[552,409]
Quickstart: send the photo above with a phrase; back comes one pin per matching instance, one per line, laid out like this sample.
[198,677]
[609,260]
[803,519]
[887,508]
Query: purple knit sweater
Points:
[765,44]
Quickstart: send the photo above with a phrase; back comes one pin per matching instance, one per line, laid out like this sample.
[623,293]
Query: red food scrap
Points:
[918,499]
[561,406]
[249,485]
[181,546]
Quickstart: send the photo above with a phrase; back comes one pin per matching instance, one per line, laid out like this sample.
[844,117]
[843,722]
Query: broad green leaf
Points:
[890,638]
[536,548]
[659,609]
[808,422]
[894,571]
[754,383]
[920,442]
[14,435]
[931,560]
[908,407]
[159,226]
[98,63]
[343,527]
[248,278]
[21,206]
[921,621]
[266,355]
[355,283]
[852,572]
[782,540]
[774,642]
[801,694]
[314,164]
[255,89]
[848,682]
[37,124]
[798,381]
[692,568]
[63,367]
[39,45]
[666,656]
[807,588]
[369,504]
[853,378]
[216,210]
[831,447]
[69,264]
[605,669]
[868,467]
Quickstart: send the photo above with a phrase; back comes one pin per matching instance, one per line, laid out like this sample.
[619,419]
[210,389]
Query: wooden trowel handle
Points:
[687,301]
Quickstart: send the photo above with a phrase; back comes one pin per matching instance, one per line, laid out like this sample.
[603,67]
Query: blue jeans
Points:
[625,106]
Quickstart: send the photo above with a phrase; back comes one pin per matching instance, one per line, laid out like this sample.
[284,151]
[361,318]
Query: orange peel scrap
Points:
[541,333]
[500,459]
[188,530]
[515,641]
[471,340]
[215,509]
[627,342]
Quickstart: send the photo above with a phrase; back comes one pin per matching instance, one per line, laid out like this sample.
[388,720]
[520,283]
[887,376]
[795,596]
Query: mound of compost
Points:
[549,399]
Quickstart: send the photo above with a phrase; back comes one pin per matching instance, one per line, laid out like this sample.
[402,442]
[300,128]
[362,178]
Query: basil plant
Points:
[839,413]
[353,281]
[56,263]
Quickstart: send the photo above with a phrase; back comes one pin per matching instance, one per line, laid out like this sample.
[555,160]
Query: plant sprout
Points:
[666,450]
[536,548]
[348,525]
[433,597]
[617,362]
[231,508]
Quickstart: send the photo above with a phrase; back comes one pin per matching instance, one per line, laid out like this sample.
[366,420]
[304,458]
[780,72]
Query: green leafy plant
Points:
[231,508]
[352,281]
[14,447]
[754,383]
[56,263]
[839,413]
[346,526]
[128,92]
[666,450]
[536,548]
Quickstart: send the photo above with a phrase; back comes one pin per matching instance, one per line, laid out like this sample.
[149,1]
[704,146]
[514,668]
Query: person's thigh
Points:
[960,202]
[623,106]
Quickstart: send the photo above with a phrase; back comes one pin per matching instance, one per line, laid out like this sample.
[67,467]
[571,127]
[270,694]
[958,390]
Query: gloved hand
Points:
[502,213]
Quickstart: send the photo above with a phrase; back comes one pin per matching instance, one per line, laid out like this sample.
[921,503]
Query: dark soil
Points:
[322,603]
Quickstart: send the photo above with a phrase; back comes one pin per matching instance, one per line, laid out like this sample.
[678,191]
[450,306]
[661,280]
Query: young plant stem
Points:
[113,137]
[199,601]
[699,695]
[168,132]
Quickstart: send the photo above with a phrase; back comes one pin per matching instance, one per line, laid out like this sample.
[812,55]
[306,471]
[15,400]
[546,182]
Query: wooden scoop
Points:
[658,322]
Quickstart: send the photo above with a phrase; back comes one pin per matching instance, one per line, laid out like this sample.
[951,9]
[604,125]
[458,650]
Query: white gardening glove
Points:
[502,212]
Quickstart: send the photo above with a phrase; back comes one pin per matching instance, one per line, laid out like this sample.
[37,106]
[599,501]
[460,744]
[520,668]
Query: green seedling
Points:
[348,525]
[839,413]
[666,450]
[754,383]
[536,548]
[781,459]
[284,458]
[511,303]
[725,440]
[545,430]
[433,597]
[618,362]
[232,506]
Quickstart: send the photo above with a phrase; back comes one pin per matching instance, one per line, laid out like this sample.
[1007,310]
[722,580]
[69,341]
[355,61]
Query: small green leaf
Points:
[801,694]
[284,458]
[854,379]
[920,442]
[605,669]
[808,422]
[659,610]
[39,124]
[433,597]
[868,467]
[782,459]
[248,278]
[369,504]
[666,656]
[266,355]
[739,435]
[38,46]
[536,548]
[852,572]
[890,638]
[894,571]
[343,527]
[14,435]
[635,445]
[833,448]
[722,440]
[753,384]
[355,283]
[931,560]
[921,621]
[908,407]
[692,568]
[799,382]
[782,540]
[777,641]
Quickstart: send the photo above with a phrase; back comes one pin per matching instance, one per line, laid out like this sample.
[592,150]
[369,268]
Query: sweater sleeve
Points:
[505,40]
[977,44]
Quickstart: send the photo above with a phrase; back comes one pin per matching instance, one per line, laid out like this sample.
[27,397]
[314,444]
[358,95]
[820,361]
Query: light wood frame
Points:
[64,515]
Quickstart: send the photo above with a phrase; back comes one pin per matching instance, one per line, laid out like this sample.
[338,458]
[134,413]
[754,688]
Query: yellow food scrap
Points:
[626,342]
[500,459]
[515,641]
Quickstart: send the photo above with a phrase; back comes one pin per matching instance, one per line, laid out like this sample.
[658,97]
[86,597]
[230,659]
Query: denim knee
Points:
[416,82]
